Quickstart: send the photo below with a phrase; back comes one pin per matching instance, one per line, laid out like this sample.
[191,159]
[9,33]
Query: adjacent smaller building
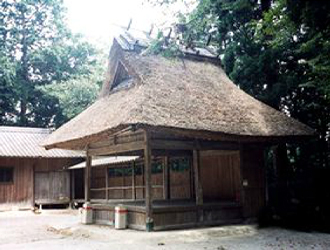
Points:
[29,174]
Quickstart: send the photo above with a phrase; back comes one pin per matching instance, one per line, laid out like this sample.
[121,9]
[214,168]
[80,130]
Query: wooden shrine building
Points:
[199,138]
[29,174]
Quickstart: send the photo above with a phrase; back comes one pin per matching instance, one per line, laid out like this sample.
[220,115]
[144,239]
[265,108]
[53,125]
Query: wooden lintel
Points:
[125,188]
[168,152]
[164,144]
[172,144]
[118,148]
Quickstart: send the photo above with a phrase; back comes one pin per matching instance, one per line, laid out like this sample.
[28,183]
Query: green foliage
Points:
[275,50]
[36,50]
[74,95]
[164,46]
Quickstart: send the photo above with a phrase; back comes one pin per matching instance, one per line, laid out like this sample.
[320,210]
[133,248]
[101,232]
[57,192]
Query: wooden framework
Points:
[36,181]
[151,143]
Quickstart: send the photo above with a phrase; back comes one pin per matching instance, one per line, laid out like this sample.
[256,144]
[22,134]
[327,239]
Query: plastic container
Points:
[86,214]
[120,217]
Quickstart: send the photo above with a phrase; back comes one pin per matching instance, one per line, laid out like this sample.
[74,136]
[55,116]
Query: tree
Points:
[275,50]
[77,93]
[37,49]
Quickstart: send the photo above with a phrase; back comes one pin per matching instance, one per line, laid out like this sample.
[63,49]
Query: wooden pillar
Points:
[73,194]
[198,186]
[133,181]
[143,183]
[33,186]
[166,179]
[88,179]
[242,177]
[106,183]
[191,179]
[147,173]
[123,182]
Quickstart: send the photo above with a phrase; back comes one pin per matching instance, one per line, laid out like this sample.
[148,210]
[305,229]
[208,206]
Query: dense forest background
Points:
[279,52]
[276,50]
[47,73]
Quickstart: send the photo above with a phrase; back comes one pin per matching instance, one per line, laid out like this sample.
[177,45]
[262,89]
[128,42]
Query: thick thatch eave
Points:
[177,93]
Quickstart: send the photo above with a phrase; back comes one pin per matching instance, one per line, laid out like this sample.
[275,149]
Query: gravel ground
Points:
[60,229]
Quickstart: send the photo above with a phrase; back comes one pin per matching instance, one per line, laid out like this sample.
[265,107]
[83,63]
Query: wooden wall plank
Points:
[220,175]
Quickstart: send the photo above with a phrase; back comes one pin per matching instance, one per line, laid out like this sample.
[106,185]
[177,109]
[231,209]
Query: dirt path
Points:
[61,230]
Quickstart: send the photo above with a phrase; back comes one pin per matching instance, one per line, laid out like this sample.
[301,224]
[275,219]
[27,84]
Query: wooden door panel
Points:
[220,174]
[52,187]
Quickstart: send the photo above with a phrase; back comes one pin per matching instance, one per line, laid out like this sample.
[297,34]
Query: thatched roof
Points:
[175,93]
[25,142]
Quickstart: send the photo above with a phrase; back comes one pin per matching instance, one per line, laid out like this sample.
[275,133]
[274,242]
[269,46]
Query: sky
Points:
[100,20]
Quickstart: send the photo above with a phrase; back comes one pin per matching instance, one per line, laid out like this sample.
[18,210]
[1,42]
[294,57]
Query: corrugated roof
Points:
[102,161]
[25,142]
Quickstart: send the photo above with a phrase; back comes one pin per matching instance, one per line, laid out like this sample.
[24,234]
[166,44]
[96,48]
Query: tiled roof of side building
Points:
[26,142]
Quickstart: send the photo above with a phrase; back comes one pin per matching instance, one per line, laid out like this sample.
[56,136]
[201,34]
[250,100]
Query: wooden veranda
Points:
[150,197]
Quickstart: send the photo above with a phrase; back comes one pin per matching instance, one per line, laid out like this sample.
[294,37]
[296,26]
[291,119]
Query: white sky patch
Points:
[100,20]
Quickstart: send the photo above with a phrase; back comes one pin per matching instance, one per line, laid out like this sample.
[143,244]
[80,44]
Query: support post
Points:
[166,179]
[73,194]
[198,186]
[143,183]
[242,176]
[148,190]
[88,179]
[133,181]
[106,184]
[191,179]
[123,183]
[33,187]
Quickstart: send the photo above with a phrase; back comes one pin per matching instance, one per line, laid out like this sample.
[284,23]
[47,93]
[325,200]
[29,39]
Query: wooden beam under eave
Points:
[168,144]
[169,153]
[117,148]
[220,136]
[171,144]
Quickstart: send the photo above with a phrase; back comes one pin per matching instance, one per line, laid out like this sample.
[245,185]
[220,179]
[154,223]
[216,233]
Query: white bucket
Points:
[120,217]
[86,214]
